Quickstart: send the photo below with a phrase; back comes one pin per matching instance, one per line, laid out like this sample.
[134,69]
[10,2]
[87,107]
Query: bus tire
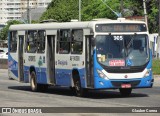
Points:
[33,81]
[125,92]
[43,87]
[80,92]
[35,86]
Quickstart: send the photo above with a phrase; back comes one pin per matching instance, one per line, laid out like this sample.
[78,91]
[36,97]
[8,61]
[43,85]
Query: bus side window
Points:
[13,41]
[64,41]
[31,41]
[41,42]
[77,41]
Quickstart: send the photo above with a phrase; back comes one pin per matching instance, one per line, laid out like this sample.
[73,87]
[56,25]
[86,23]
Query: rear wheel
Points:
[125,92]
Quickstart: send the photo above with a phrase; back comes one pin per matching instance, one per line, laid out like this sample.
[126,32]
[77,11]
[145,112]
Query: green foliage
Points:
[4,31]
[97,9]
[65,10]
[34,21]
[61,10]
[156,67]
[152,9]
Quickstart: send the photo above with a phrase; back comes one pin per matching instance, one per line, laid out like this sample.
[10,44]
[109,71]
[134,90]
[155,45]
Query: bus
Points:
[99,54]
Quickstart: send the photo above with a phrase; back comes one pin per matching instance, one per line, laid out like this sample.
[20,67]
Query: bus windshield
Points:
[122,50]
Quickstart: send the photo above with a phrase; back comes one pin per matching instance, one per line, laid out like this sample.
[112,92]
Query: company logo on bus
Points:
[126,76]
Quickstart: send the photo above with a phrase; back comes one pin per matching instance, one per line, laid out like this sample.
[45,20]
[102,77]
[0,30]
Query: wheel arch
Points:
[32,68]
[75,75]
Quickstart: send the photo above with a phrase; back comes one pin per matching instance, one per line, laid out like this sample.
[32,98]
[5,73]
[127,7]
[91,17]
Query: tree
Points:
[97,9]
[65,10]
[61,10]
[4,31]
[152,9]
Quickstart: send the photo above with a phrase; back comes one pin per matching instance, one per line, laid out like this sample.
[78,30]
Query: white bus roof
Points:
[67,25]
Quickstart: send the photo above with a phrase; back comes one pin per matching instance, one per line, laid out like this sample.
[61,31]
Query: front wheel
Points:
[35,86]
[33,82]
[125,92]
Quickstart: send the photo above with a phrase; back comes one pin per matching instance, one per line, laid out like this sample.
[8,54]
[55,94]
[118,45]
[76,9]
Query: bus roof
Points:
[67,25]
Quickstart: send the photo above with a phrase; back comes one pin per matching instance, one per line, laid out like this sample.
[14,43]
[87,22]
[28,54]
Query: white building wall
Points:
[13,9]
[43,3]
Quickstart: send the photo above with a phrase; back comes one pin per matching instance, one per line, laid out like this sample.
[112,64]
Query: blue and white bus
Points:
[102,54]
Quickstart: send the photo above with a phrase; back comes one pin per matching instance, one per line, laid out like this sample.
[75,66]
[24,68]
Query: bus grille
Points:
[119,83]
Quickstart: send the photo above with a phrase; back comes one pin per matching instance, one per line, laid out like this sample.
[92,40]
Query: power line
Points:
[117,14]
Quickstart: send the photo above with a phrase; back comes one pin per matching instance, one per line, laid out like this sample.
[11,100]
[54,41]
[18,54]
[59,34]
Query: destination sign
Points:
[128,27]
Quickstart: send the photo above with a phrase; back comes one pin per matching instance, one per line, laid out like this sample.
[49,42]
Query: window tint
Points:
[41,42]
[64,41]
[31,41]
[13,41]
[77,42]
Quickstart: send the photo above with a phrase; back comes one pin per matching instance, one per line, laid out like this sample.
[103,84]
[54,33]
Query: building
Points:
[13,9]
[136,18]
[35,14]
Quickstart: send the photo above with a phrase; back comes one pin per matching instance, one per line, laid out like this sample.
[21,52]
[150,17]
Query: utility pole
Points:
[145,12]
[28,12]
[122,8]
[79,10]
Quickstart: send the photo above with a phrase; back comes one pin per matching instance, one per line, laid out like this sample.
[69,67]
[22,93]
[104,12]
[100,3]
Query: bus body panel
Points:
[61,73]
[64,65]
[13,65]
[38,62]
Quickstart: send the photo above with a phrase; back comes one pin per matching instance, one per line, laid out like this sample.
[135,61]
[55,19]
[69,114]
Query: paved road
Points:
[15,94]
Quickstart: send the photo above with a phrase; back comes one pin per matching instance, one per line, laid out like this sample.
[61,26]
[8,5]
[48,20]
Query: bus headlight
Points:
[101,74]
[147,72]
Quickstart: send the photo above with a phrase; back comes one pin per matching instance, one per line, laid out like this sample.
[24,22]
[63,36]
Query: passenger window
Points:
[13,41]
[77,42]
[31,42]
[41,42]
[64,41]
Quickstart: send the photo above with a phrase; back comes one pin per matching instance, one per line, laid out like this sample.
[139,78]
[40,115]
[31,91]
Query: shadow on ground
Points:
[94,94]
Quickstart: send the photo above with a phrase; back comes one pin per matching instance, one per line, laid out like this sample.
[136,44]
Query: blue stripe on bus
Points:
[63,77]
[13,65]
[40,73]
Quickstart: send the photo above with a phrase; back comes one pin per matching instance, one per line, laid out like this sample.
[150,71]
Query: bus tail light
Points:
[101,74]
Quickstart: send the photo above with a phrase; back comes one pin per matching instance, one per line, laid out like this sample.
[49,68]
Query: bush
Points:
[156,67]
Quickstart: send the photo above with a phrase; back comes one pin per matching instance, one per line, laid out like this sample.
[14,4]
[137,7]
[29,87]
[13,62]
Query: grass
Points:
[156,67]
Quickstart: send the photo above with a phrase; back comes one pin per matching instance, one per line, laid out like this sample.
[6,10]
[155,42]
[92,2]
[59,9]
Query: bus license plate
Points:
[126,85]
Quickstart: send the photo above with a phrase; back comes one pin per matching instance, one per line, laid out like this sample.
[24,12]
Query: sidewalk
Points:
[3,70]
[156,76]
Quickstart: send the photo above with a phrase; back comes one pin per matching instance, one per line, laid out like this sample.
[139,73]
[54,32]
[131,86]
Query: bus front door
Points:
[89,61]
[20,58]
[51,58]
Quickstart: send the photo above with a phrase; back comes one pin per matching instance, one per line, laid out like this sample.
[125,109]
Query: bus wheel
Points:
[35,86]
[33,82]
[80,92]
[42,87]
[125,92]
